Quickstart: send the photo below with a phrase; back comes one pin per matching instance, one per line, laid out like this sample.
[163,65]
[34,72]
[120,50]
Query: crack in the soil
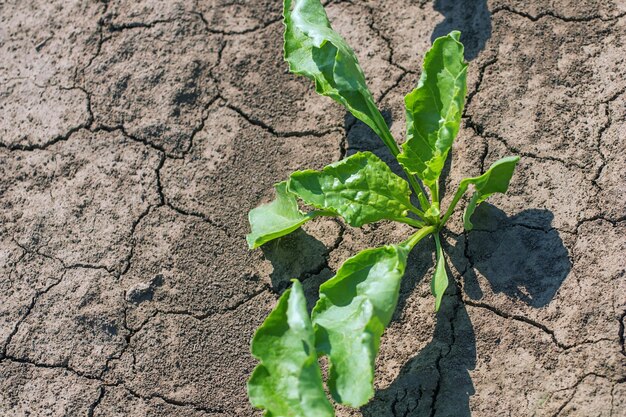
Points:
[122,129]
[458,302]
[256,28]
[201,216]
[172,401]
[512,225]
[395,84]
[541,15]
[281,134]
[104,384]
[265,288]
[620,332]
[131,253]
[519,318]
[574,389]
[481,75]
[60,138]
[483,156]
[159,184]
[523,319]
[343,146]
[75,265]
[29,309]
[96,403]
[200,127]
[609,121]
[614,222]
[101,39]
[479,130]
[131,332]
[435,395]
[377,31]
[113,27]
[62,366]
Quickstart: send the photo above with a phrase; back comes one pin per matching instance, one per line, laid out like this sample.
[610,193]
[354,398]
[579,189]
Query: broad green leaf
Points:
[495,180]
[362,189]
[354,308]
[434,109]
[276,219]
[439,282]
[315,50]
[288,381]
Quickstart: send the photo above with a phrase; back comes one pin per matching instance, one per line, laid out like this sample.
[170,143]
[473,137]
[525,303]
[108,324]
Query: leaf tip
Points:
[295,283]
[456,35]
[252,244]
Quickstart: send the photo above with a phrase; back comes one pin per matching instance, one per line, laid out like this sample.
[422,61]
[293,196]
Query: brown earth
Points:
[136,136]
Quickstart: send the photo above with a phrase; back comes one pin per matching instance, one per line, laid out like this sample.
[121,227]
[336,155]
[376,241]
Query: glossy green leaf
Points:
[439,282]
[315,50]
[495,180]
[278,218]
[362,189]
[434,109]
[354,308]
[288,381]
[350,317]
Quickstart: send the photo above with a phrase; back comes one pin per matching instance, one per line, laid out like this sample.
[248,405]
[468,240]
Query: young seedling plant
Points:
[356,305]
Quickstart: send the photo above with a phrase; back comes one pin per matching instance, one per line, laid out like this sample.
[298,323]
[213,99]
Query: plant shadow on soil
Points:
[528,264]
[471,17]
[521,256]
[297,255]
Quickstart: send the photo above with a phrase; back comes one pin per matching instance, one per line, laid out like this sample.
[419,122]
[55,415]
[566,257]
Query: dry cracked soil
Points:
[136,135]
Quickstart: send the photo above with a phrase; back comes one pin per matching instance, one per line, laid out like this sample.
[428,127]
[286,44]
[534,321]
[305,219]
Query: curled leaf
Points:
[354,308]
[288,381]
[434,109]
[315,50]
[278,218]
[495,180]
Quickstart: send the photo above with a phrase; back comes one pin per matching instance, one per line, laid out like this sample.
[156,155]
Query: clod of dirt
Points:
[144,291]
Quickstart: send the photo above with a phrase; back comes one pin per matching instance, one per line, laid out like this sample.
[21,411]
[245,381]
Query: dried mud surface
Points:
[136,135]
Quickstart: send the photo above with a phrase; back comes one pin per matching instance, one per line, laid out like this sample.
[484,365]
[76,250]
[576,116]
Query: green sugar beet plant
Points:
[356,305]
